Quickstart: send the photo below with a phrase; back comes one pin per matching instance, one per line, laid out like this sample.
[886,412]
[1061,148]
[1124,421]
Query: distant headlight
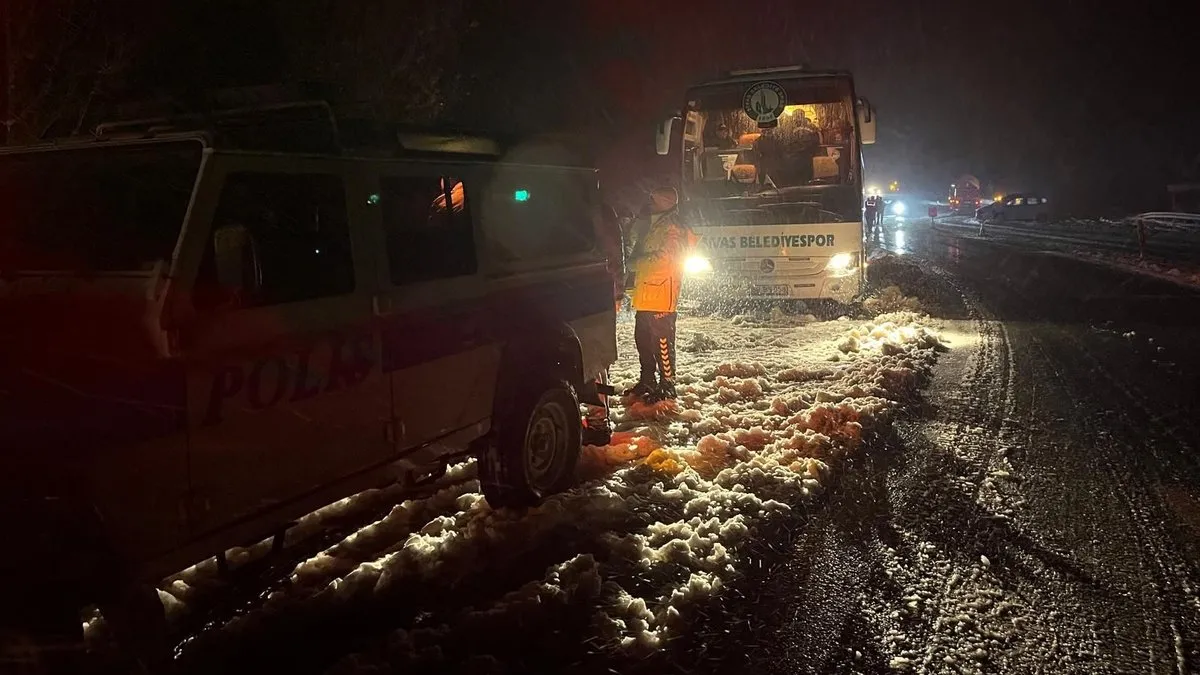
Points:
[840,262]
[697,264]
[898,208]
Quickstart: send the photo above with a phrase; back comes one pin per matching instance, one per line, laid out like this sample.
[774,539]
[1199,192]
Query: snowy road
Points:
[1008,485]
[773,408]
[1041,514]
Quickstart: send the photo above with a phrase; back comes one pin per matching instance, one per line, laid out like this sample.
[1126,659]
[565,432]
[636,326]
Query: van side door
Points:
[285,393]
[433,309]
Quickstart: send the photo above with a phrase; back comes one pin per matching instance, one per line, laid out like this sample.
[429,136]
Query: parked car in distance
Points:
[1015,207]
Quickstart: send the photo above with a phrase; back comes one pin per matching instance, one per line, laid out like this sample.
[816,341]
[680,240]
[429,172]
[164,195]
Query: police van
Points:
[214,325]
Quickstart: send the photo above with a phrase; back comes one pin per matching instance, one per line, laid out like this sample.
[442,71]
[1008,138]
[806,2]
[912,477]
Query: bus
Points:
[772,183]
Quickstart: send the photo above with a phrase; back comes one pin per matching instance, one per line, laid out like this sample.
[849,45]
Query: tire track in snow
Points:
[1004,610]
[1082,623]
[1174,597]
[945,618]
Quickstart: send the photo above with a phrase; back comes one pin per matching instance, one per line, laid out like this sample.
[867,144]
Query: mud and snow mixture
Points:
[768,405]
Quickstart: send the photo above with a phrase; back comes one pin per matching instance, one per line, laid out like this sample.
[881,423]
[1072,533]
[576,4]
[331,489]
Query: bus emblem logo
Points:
[764,103]
[767,266]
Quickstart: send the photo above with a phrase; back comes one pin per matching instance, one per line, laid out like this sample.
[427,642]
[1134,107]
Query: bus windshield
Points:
[803,170]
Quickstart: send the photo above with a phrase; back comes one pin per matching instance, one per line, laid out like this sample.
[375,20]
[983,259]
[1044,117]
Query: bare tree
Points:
[394,59]
[60,58]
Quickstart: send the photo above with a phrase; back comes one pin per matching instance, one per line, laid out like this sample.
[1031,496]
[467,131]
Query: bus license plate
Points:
[769,291]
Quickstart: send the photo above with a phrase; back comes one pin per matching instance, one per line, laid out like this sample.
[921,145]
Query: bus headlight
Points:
[840,262]
[696,264]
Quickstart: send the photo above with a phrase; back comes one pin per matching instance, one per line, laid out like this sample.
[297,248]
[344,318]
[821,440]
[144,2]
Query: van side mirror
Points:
[239,268]
[662,139]
[866,121]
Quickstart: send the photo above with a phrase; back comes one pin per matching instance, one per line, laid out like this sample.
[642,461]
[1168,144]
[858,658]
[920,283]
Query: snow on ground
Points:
[1183,273]
[768,405]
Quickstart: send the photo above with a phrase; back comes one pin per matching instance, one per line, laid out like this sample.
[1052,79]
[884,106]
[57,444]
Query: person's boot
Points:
[665,391]
[644,389]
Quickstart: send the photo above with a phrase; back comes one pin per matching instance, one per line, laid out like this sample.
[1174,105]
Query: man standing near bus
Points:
[661,245]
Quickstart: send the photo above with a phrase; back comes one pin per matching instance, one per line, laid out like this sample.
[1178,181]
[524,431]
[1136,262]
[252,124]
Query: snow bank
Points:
[1179,272]
[891,299]
[768,405]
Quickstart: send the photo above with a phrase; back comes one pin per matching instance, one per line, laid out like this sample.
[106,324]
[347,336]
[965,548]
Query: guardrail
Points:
[1171,221]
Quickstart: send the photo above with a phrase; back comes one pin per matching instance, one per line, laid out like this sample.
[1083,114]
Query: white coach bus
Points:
[772,183]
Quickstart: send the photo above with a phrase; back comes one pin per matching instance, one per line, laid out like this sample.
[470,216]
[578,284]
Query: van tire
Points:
[534,447]
[139,625]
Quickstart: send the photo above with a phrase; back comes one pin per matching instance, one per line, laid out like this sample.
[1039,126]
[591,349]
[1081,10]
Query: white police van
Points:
[213,326]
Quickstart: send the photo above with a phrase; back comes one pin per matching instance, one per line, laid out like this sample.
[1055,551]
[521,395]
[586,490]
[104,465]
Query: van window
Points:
[300,234]
[95,209]
[425,241]
[533,213]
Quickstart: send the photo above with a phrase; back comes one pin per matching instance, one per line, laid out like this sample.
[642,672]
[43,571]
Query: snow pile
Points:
[891,299]
[767,407]
[402,518]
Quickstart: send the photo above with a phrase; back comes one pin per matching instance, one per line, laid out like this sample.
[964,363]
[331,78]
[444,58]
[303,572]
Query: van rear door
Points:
[90,410]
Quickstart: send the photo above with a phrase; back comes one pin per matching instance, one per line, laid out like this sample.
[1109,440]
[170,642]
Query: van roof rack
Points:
[302,126]
[263,119]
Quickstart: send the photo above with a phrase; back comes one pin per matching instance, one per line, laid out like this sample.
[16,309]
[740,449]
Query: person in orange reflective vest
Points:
[660,247]
[457,197]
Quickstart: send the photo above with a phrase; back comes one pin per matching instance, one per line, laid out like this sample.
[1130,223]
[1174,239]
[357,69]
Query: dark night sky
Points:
[1094,106]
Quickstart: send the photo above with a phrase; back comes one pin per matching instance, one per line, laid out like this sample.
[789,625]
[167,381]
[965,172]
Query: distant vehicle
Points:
[1015,207]
[965,196]
[226,328]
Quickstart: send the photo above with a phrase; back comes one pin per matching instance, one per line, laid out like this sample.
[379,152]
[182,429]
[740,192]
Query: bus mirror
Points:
[662,139]
[866,121]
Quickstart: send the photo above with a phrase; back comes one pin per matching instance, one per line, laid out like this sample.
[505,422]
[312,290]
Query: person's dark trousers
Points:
[654,335]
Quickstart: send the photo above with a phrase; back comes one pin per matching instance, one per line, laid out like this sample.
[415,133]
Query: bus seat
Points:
[744,173]
[714,167]
[748,139]
[825,167]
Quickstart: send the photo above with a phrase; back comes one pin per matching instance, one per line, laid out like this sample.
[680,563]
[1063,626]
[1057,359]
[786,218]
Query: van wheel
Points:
[534,450]
[139,625]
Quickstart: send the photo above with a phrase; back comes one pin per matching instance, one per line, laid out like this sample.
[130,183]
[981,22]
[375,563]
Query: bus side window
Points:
[425,241]
[277,238]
